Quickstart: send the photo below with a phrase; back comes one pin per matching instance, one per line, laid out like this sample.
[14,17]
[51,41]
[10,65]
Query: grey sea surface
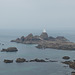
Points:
[29,51]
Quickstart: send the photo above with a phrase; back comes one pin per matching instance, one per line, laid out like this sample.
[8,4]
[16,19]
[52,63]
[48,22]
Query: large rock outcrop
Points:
[57,45]
[44,41]
[29,39]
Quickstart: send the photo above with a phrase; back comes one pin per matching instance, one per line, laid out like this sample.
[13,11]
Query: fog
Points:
[37,14]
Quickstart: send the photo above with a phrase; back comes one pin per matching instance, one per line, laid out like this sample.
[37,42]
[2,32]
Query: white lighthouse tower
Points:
[44,31]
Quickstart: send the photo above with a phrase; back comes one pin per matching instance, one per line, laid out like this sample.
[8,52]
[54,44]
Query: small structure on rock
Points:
[44,35]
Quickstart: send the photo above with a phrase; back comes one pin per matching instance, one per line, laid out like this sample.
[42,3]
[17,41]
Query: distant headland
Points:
[45,41]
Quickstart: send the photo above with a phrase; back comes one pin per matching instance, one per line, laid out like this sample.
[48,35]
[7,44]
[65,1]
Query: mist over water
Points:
[22,17]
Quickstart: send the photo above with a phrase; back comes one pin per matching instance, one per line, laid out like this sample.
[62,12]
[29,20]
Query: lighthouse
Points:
[44,31]
[44,35]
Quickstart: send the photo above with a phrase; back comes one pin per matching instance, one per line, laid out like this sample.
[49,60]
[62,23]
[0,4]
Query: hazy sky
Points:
[30,14]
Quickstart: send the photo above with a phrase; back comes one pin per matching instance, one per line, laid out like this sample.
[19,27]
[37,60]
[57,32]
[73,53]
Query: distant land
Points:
[45,41]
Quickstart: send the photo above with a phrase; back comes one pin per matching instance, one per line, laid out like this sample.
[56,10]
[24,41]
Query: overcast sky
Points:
[36,14]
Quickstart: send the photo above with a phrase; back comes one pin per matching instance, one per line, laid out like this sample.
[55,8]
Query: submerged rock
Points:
[8,61]
[20,60]
[2,44]
[10,49]
[53,61]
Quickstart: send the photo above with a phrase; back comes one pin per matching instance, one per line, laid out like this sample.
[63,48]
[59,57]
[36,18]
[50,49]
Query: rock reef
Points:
[22,60]
[45,41]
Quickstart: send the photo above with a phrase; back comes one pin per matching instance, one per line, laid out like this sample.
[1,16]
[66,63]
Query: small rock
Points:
[8,61]
[10,49]
[66,57]
[37,60]
[20,60]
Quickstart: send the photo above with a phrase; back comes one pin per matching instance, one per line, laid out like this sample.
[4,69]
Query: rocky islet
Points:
[45,41]
[10,49]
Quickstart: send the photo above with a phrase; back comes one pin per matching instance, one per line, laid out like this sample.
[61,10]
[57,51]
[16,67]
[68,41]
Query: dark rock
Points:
[57,45]
[37,60]
[20,60]
[22,38]
[70,63]
[66,57]
[61,38]
[10,49]
[72,73]
[29,37]
[67,62]
[51,38]
[44,36]
[8,61]
[36,38]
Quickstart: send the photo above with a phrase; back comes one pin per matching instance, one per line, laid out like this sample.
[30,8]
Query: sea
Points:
[29,51]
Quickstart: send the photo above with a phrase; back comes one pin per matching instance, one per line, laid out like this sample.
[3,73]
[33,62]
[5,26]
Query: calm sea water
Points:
[30,52]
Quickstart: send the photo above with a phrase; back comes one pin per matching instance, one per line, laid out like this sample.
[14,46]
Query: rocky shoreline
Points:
[44,41]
